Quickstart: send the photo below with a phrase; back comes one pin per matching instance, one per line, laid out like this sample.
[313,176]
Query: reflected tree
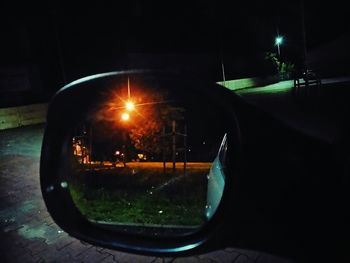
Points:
[150,135]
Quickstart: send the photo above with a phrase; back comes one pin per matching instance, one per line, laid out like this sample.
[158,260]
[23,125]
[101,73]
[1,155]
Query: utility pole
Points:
[278,42]
[164,150]
[185,150]
[303,34]
[223,69]
[174,144]
[90,141]
[124,148]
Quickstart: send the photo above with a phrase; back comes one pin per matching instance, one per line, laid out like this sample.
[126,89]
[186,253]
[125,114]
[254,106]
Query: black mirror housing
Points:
[75,101]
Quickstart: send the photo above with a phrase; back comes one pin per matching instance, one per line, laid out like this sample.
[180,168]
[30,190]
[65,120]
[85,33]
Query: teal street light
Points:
[278,42]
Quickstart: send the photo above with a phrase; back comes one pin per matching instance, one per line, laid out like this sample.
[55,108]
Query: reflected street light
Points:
[129,105]
[125,116]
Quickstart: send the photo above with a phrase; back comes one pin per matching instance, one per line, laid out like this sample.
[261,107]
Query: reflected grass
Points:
[142,194]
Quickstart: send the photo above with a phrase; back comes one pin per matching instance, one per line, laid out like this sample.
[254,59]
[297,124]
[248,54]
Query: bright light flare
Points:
[125,116]
[278,40]
[130,106]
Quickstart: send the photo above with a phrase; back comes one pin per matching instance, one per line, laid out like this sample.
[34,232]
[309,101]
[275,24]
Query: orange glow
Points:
[130,106]
[121,108]
[125,116]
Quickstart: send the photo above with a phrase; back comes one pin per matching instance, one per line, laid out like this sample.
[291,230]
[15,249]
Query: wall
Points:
[23,115]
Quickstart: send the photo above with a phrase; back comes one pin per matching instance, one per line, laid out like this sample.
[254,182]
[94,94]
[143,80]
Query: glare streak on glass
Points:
[85,79]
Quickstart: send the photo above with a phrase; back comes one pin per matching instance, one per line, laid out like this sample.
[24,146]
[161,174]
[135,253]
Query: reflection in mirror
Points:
[147,154]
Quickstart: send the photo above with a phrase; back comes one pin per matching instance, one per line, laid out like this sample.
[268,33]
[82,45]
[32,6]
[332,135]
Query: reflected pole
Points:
[128,88]
[124,148]
[163,138]
[185,147]
[174,145]
[90,146]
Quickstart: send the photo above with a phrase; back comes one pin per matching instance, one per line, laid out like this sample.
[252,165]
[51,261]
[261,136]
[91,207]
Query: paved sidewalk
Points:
[27,232]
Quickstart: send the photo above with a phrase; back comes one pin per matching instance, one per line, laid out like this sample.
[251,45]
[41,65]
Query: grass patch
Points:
[141,195]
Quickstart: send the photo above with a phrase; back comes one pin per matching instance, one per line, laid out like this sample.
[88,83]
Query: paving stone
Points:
[243,259]
[220,256]
[186,260]
[37,246]
[164,260]
[110,254]
[100,249]
[127,257]
[254,255]
[62,243]
[76,248]
[109,259]
[91,255]
[15,240]
[50,256]
[9,239]
[24,257]
[267,258]
[234,252]
[52,239]
[206,260]
[106,251]
[12,227]
[11,252]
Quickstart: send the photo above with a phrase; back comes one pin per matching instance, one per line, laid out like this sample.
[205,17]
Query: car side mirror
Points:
[139,160]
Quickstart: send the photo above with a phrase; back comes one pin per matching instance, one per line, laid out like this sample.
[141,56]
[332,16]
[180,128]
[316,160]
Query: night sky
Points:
[67,42]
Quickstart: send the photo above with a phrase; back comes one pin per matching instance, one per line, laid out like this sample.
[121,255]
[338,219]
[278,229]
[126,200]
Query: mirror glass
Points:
[148,154]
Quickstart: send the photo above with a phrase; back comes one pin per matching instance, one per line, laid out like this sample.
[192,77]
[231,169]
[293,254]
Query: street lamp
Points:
[278,42]
[125,116]
[130,106]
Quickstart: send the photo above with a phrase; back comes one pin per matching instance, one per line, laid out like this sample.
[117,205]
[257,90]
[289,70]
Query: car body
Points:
[216,180]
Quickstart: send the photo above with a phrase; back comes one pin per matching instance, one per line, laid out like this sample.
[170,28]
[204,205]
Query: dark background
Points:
[43,46]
